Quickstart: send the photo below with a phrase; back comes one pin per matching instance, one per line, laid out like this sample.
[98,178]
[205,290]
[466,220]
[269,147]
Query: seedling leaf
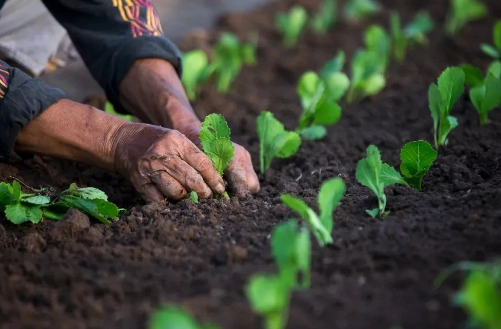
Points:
[325,18]
[358,9]
[175,318]
[494,51]
[417,157]
[195,71]
[19,213]
[314,132]
[215,140]
[292,25]
[486,97]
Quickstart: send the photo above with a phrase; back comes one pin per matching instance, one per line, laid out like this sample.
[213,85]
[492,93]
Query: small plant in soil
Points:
[494,51]
[417,157]
[292,25]
[377,40]
[291,249]
[175,318]
[461,12]
[329,196]
[274,140]
[196,70]
[216,143]
[374,174]
[485,92]
[480,293]
[441,98]
[319,98]
[412,34]
[229,56]
[358,9]
[193,197]
[22,207]
[322,21]
[367,79]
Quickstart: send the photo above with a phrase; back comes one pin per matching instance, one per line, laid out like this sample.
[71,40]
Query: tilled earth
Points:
[378,273]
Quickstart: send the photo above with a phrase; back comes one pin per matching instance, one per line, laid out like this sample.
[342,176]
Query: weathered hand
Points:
[163,163]
[240,172]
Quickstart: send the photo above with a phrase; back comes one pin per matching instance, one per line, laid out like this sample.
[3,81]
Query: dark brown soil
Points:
[377,274]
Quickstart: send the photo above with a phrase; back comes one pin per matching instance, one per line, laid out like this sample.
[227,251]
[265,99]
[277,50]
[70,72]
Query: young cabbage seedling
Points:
[322,21]
[193,197]
[331,192]
[367,78]
[175,318]
[20,207]
[378,41]
[196,70]
[441,98]
[494,51]
[417,157]
[358,9]
[269,296]
[229,56]
[412,33]
[274,140]
[292,25]
[480,294]
[484,91]
[376,175]
[319,97]
[462,12]
[291,249]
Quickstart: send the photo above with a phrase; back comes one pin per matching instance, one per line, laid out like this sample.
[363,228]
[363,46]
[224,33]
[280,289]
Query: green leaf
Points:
[227,61]
[331,193]
[398,38]
[463,12]
[87,193]
[336,85]
[473,75]
[269,296]
[37,200]
[274,140]
[291,250]
[378,41]
[357,9]
[215,140]
[16,191]
[20,213]
[451,86]
[174,318]
[314,132]
[6,195]
[193,197]
[497,34]
[368,172]
[55,211]
[481,298]
[292,25]
[389,176]
[335,65]
[495,69]
[418,27]
[417,157]
[373,213]
[195,65]
[102,210]
[308,88]
[490,51]
[327,113]
[486,97]
[325,18]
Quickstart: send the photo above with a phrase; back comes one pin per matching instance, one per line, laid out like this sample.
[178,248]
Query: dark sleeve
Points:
[111,34]
[22,99]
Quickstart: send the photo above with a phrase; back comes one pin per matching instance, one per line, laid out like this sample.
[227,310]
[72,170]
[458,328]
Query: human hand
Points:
[240,172]
[163,163]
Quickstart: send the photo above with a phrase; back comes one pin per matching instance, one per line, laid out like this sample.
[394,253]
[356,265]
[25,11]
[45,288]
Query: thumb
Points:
[237,177]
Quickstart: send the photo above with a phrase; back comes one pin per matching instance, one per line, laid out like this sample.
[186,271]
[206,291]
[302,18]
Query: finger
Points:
[237,178]
[203,165]
[150,193]
[168,185]
[252,180]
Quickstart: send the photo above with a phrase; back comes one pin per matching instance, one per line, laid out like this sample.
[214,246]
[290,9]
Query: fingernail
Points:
[220,188]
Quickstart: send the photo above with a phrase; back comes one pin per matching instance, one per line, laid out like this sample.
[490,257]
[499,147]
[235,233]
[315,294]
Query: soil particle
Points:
[33,242]
[91,236]
[72,223]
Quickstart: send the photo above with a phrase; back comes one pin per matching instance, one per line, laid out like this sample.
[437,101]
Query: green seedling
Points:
[461,12]
[417,157]
[175,318]
[485,92]
[413,33]
[358,9]
[291,249]
[21,207]
[292,25]
[441,98]
[480,294]
[494,51]
[274,140]
[193,197]
[196,70]
[376,175]
[322,21]
[331,193]
[229,57]
[110,109]
[269,296]
[378,41]
[319,98]
[216,142]
[367,78]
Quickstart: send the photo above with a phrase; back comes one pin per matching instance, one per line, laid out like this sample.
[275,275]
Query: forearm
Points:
[153,92]
[72,131]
